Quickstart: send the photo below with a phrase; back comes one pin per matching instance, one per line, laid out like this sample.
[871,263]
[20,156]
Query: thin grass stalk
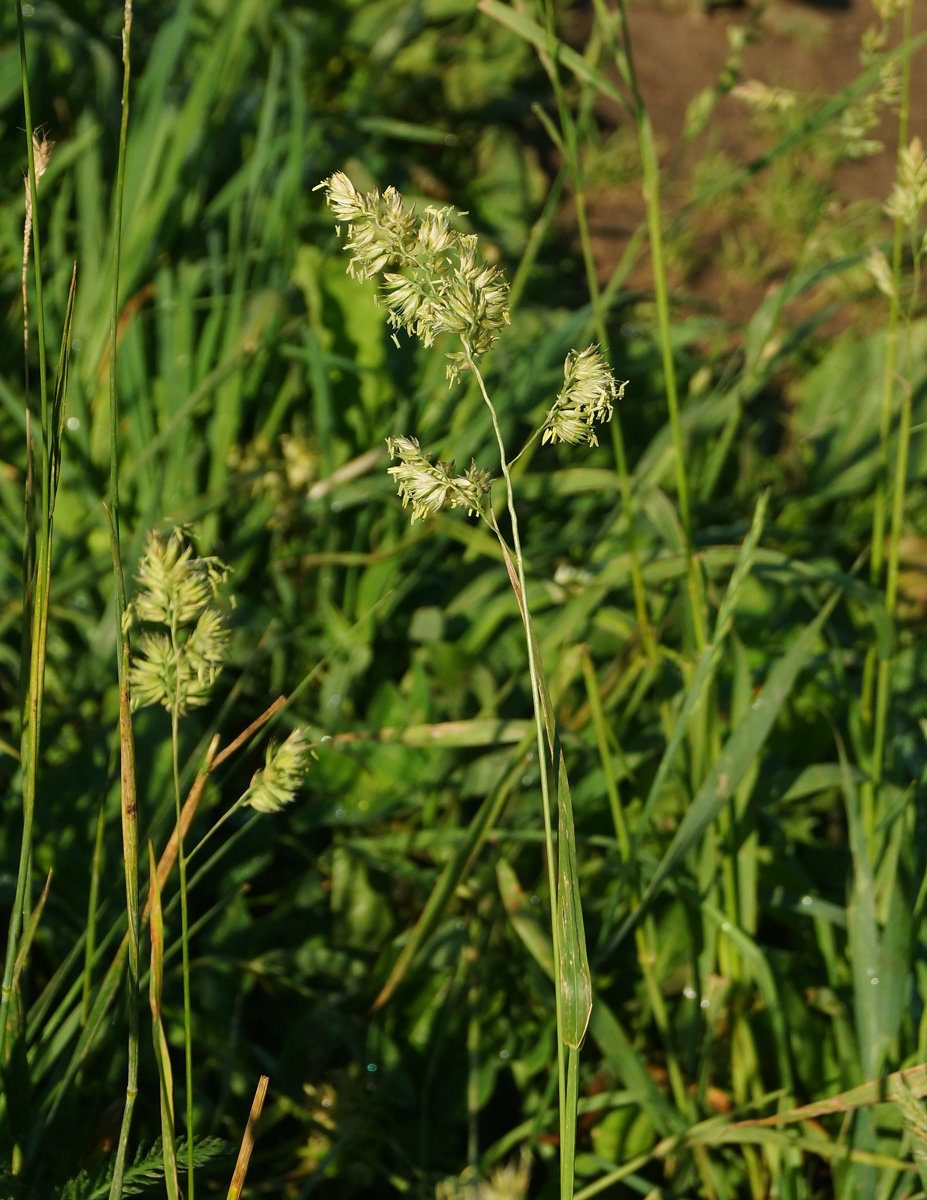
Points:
[127,791]
[651,191]
[567,143]
[184,941]
[39,587]
[90,942]
[129,812]
[643,934]
[883,674]
[568,1136]
[159,1040]
[474,1027]
[543,757]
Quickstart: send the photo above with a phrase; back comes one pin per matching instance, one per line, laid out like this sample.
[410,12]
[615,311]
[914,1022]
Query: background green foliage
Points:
[257,386]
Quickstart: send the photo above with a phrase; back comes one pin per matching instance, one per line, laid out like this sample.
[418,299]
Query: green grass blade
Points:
[741,749]
[575,981]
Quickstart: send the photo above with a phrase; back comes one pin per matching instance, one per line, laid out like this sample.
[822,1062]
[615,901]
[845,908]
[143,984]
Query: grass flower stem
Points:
[37,573]
[567,142]
[651,191]
[128,797]
[184,939]
[566,1191]
[93,904]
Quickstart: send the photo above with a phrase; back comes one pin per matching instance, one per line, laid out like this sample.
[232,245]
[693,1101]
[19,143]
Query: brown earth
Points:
[681,49]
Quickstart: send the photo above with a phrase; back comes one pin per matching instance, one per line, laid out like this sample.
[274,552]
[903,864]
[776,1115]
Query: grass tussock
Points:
[566,839]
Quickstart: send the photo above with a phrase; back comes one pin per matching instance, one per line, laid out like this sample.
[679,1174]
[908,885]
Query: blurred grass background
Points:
[257,386]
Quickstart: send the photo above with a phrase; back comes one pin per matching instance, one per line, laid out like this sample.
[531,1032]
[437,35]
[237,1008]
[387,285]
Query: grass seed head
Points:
[276,783]
[432,279]
[588,394]
[177,665]
[429,486]
[909,194]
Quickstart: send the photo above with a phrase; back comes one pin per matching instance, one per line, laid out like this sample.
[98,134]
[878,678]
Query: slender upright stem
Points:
[568,146]
[543,759]
[37,587]
[128,799]
[184,941]
[651,192]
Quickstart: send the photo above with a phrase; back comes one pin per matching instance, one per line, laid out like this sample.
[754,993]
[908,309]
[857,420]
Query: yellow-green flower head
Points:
[435,283]
[588,393]
[177,665]
[174,585]
[277,782]
[909,194]
[429,486]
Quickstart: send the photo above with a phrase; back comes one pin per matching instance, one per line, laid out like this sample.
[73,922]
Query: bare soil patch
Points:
[681,49]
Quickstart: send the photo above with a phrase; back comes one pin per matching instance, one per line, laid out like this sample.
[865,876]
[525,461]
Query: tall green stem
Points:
[37,587]
[651,192]
[128,797]
[545,769]
[184,938]
[568,145]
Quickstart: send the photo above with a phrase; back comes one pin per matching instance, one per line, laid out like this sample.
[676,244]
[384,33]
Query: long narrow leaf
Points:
[744,744]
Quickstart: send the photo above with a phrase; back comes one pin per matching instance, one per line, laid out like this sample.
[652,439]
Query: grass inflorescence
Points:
[544,818]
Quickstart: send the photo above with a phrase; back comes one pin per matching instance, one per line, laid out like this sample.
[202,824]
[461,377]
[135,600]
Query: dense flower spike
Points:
[909,194]
[177,591]
[174,586]
[439,287]
[429,486]
[276,783]
[588,393]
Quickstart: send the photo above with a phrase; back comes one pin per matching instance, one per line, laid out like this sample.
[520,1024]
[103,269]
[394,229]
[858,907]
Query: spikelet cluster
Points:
[588,394]
[183,641]
[506,1182]
[763,98]
[429,486]
[909,195]
[432,280]
[276,783]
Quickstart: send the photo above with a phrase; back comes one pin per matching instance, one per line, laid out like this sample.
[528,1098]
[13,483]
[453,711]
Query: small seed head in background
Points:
[276,783]
[909,195]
